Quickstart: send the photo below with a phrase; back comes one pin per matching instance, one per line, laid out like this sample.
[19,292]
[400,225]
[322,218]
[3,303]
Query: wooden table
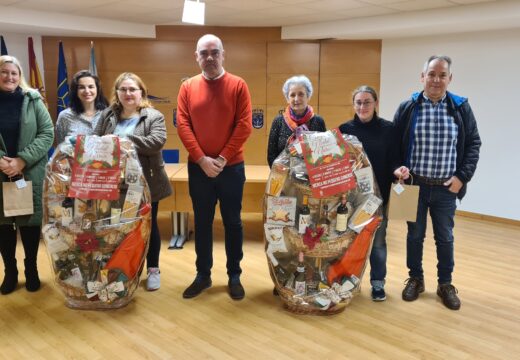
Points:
[179,204]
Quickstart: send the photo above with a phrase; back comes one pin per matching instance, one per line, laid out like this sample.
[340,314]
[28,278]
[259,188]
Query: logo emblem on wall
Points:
[159,100]
[175,117]
[258,118]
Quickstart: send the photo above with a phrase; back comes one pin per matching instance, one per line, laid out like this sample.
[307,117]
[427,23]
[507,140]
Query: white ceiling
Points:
[137,17]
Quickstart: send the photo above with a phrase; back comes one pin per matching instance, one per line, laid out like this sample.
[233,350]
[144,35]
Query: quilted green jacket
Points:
[36,138]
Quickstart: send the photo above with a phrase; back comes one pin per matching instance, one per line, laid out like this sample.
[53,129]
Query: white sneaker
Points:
[153,282]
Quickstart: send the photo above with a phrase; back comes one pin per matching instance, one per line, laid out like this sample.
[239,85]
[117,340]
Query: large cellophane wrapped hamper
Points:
[322,207]
[96,220]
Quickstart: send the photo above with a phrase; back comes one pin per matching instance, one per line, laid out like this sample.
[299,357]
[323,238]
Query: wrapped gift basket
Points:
[321,210]
[96,220]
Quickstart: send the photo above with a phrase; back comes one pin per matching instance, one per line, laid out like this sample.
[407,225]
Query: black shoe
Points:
[275,292]
[378,294]
[32,280]
[196,287]
[414,286]
[10,282]
[236,290]
[448,294]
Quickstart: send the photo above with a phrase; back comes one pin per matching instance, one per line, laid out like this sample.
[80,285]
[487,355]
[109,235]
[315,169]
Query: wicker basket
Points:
[68,255]
[322,297]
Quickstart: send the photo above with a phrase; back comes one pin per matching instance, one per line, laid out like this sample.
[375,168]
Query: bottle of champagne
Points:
[324,220]
[299,277]
[305,215]
[342,215]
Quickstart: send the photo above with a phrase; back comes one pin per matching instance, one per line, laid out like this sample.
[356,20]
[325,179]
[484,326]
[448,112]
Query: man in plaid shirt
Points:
[440,147]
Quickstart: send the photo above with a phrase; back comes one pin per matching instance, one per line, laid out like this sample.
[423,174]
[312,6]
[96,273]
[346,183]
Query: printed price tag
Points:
[398,188]
[20,184]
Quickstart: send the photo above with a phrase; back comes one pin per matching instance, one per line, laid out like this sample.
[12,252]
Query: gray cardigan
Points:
[149,138]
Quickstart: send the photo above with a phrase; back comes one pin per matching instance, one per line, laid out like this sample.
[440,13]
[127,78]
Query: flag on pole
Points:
[63,84]
[92,68]
[3,48]
[35,77]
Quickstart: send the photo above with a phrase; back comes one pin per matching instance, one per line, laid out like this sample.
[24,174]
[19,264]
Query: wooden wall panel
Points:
[255,150]
[336,115]
[293,58]
[337,89]
[193,33]
[258,55]
[350,57]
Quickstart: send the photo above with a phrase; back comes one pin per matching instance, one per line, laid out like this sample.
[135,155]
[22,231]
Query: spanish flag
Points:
[35,78]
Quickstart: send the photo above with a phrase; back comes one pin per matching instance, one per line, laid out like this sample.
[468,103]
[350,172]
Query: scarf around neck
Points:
[298,123]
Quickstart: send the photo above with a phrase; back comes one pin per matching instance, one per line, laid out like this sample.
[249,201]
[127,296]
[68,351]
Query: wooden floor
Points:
[162,325]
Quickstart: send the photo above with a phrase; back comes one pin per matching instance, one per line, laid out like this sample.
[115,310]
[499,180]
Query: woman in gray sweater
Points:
[86,103]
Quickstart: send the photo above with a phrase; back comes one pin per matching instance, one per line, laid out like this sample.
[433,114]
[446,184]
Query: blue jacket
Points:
[468,139]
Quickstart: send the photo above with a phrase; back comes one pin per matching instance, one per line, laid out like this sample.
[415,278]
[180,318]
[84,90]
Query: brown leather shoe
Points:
[414,286]
[448,294]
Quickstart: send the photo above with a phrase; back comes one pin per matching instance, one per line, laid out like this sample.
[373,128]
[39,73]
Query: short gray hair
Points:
[445,58]
[297,80]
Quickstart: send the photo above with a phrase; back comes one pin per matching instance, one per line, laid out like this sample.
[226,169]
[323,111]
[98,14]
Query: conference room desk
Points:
[179,204]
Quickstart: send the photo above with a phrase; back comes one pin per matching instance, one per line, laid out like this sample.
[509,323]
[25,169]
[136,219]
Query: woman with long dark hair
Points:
[86,104]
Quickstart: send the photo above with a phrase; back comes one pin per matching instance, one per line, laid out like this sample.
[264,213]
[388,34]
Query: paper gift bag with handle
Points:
[403,202]
[18,199]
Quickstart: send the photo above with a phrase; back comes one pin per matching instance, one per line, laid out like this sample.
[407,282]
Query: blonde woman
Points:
[26,135]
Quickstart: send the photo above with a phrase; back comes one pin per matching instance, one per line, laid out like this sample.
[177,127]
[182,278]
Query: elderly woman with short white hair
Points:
[297,117]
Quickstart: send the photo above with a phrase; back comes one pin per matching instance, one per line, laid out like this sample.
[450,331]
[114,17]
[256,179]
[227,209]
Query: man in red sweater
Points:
[214,120]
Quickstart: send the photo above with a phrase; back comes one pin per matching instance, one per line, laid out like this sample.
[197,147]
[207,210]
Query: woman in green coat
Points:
[26,135]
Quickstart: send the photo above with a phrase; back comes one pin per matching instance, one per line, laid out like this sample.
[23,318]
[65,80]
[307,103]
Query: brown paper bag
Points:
[403,205]
[17,201]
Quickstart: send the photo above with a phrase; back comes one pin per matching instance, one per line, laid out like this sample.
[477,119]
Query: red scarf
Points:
[293,122]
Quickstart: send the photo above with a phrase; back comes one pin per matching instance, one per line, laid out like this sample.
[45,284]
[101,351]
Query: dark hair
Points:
[100,102]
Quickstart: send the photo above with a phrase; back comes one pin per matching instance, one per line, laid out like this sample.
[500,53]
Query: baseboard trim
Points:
[501,220]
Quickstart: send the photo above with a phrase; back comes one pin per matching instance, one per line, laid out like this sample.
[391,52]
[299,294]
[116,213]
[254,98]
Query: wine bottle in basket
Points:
[342,214]
[299,278]
[305,215]
[89,218]
[324,221]
[313,278]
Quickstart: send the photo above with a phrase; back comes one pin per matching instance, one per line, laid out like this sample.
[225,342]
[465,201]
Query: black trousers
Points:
[30,240]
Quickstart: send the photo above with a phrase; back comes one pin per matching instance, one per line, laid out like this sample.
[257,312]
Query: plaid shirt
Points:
[434,152]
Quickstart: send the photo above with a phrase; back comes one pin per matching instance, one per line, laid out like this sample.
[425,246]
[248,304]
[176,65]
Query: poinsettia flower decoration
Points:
[87,242]
[312,236]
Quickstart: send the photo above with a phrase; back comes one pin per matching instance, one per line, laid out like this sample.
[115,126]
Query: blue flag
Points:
[3,48]
[63,84]
[92,68]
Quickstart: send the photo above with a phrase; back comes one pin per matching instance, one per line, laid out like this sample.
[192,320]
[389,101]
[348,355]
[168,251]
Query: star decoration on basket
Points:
[280,215]
[312,236]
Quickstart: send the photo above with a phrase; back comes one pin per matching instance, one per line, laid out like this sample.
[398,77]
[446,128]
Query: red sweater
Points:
[214,117]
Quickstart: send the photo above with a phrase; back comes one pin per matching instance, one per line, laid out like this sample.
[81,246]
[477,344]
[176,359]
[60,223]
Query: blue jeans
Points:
[442,204]
[227,188]
[154,248]
[378,256]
